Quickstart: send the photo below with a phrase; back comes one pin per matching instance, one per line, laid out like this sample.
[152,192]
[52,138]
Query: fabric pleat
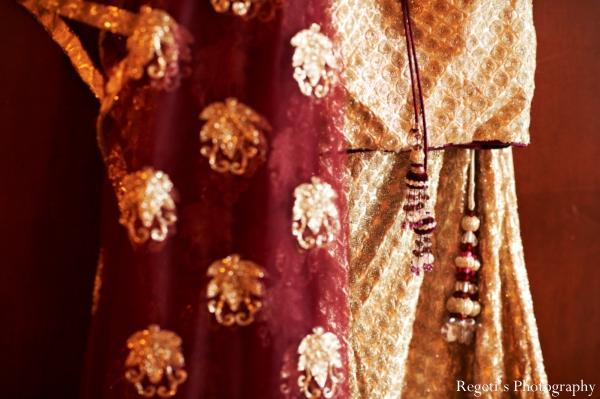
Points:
[397,349]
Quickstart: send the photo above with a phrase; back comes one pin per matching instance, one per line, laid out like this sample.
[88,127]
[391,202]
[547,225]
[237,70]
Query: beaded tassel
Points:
[464,305]
[418,216]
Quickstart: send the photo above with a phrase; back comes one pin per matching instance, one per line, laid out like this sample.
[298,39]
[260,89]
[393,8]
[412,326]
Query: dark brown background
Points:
[558,188]
[51,178]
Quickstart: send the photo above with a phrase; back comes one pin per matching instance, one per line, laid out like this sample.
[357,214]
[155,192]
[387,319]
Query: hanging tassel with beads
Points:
[464,305]
[418,215]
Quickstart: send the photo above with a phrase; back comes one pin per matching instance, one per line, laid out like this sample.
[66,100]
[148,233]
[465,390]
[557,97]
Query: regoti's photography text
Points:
[580,388]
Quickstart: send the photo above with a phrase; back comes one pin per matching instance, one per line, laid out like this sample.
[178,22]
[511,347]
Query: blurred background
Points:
[558,189]
[51,183]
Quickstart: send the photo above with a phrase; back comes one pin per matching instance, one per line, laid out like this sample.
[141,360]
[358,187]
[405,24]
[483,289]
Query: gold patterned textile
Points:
[383,291]
[477,60]
[397,349]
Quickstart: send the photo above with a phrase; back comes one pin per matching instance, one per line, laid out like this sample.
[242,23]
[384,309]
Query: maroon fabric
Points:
[220,214]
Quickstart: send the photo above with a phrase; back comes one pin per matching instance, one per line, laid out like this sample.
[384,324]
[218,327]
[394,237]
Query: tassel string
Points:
[471,196]
[413,64]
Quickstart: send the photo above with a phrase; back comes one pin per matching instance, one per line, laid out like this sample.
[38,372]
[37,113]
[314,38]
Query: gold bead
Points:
[470,223]
[468,262]
[417,156]
[459,305]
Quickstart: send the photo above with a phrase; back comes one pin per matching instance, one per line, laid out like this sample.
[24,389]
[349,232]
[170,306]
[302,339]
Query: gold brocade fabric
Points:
[477,61]
[397,349]
[383,291]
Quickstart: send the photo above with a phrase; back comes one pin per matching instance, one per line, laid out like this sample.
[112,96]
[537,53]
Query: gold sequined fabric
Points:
[477,61]
[397,349]
[383,291]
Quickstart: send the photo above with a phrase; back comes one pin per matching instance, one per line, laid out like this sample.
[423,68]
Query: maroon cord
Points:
[410,63]
[414,71]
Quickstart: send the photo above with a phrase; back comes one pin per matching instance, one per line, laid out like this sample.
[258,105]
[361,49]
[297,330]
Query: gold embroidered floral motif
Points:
[155,355]
[314,53]
[319,358]
[314,208]
[236,283]
[158,37]
[157,45]
[235,133]
[248,9]
[145,198]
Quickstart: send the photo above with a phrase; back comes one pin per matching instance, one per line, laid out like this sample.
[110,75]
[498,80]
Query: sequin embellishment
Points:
[155,356]
[157,45]
[235,283]
[314,209]
[248,9]
[233,133]
[147,207]
[319,359]
[313,60]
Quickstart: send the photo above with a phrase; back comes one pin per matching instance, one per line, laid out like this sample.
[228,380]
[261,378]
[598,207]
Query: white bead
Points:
[469,238]
[462,286]
[450,331]
[428,258]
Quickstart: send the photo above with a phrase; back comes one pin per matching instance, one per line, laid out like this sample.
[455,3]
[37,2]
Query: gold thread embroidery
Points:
[314,208]
[313,54]
[115,166]
[155,355]
[109,18]
[248,9]
[319,359]
[235,282]
[157,45]
[234,131]
[157,37]
[145,198]
[97,282]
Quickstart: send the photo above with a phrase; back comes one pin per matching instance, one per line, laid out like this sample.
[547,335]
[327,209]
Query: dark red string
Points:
[413,65]
[410,64]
